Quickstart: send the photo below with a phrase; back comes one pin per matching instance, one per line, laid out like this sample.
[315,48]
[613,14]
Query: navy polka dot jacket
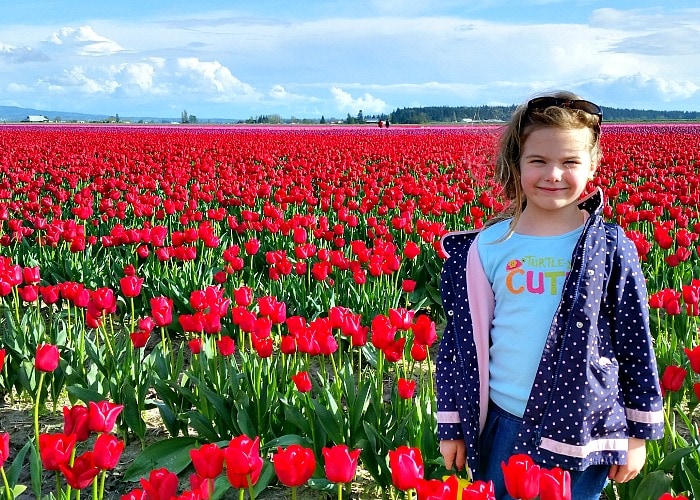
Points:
[597,382]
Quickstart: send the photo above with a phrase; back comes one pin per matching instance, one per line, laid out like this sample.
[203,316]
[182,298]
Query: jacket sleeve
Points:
[631,336]
[449,426]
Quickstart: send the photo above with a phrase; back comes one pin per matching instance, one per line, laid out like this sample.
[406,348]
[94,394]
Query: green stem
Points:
[251,490]
[340,491]
[8,493]
[294,493]
[36,407]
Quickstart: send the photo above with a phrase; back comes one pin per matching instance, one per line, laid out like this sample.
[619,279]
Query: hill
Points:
[17,114]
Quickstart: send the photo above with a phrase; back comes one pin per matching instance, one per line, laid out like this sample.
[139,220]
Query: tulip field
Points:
[272,294]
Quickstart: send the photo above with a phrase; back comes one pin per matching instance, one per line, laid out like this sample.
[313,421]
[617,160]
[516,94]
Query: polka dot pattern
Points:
[597,381]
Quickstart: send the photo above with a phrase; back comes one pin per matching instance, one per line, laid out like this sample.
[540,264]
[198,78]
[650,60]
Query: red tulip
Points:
[340,463]
[47,357]
[673,378]
[103,415]
[401,318]
[139,339]
[31,275]
[251,246]
[226,345]
[294,465]
[555,484]
[668,496]
[136,494]
[103,300]
[411,250]
[424,330]
[406,466]
[107,450]
[55,450]
[406,388]
[696,389]
[195,345]
[83,471]
[162,311]
[243,461]
[208,460]
[4,447]
[434,489]
[160,485]
[146,324]
[522,477]
[131,286]
[50,293]
[302,381]
[2,358]
[693,356]
[28,293]
[479,490]
[408,286]
[243,296]
[76,421]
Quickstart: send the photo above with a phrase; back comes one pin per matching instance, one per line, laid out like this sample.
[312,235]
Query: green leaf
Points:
[653,486]
[203,426]
[285,441]
[266,477]
[173,454]
[362,400]
[245,424]
[131,413]
[295,417]
[35,470]
[170,419]
[85,395]
[674,458]
[18,490]
[329,422]
[16,468]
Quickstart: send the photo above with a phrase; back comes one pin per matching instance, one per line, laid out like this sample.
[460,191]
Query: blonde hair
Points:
[521,125]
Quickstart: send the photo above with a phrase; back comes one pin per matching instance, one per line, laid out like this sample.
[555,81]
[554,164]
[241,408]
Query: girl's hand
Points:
[454,452]
[636,456]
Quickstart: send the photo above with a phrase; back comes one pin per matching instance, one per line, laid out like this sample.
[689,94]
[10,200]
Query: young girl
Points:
[547,349]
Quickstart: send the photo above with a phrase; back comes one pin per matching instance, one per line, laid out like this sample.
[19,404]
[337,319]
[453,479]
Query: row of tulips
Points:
[283,283]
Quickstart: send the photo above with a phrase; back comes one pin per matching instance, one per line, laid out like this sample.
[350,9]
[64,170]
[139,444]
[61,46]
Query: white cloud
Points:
[77,79]
[136,77]
[367,103]
[85,41]
[212,77]
[279,93]
[636,91]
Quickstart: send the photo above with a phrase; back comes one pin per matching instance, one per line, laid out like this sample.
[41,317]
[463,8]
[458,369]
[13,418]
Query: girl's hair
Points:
[521,125]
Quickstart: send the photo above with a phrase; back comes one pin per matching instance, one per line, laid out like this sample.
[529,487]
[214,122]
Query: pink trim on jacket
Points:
[481,307]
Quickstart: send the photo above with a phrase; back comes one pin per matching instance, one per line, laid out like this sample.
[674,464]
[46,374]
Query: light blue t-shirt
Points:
[527,275]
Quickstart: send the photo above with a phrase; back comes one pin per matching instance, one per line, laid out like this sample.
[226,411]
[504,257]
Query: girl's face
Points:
[555,166]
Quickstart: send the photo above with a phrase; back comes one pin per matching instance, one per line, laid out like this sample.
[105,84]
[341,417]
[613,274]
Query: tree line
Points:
[455,114]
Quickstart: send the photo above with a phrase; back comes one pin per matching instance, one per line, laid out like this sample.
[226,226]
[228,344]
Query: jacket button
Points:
[450,313]
[579,325]
[591,272]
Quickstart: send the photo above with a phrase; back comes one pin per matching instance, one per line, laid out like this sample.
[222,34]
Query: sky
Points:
[313,58]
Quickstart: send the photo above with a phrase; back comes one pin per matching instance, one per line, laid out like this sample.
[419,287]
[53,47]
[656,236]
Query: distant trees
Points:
[503,113]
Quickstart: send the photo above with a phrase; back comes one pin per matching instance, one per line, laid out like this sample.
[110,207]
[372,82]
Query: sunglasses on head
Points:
[541,103]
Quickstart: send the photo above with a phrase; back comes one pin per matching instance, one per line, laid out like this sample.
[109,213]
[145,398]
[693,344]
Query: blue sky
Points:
[219,59]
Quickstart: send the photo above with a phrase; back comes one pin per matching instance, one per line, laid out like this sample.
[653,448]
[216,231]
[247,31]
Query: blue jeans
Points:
[496,444]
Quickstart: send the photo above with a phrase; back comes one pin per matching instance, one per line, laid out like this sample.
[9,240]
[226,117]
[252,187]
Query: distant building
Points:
[35,119]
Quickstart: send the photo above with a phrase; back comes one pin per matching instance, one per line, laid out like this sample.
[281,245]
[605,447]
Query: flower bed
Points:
[282,284]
